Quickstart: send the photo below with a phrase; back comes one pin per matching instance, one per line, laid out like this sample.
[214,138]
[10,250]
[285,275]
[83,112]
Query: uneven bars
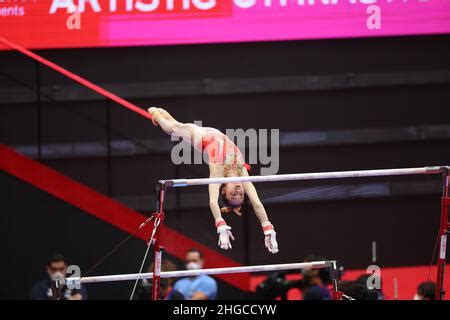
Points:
[190,273]
[176,183]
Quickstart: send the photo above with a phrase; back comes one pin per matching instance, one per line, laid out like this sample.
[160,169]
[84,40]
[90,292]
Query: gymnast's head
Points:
[232,196]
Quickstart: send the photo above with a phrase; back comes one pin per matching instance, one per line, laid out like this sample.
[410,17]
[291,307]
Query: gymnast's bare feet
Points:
[154,113]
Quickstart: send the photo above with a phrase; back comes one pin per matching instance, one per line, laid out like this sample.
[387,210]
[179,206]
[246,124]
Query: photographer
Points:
[313,285]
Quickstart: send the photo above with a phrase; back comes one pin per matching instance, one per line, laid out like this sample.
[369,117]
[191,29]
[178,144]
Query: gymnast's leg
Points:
[189,132]
[164,120]
[166,115]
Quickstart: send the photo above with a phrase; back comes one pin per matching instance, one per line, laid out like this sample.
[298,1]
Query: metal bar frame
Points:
[163,185]
[211,271]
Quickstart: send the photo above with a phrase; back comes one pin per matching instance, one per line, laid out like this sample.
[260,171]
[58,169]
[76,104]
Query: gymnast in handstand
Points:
[224,160]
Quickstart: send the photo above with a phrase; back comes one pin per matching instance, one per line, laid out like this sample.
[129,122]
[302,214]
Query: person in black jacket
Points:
[45,289]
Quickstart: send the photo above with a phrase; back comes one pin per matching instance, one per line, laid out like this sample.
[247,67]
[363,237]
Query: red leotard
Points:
[220,149]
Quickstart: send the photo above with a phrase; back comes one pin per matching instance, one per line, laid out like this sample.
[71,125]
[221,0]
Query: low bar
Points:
[189,273]
[177,183]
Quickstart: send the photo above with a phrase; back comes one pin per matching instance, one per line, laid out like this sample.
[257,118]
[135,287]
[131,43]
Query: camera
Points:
[276,284]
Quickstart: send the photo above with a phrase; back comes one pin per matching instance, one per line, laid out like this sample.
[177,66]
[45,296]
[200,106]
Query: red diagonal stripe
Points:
[109,210]
[77,78]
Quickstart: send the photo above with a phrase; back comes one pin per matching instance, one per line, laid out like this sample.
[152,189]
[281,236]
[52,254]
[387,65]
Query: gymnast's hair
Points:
[227,207]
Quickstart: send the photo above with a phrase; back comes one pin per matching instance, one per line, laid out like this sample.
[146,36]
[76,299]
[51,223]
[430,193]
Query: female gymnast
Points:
[224,160]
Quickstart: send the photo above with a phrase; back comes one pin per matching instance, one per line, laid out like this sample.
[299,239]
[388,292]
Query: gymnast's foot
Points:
[154,113]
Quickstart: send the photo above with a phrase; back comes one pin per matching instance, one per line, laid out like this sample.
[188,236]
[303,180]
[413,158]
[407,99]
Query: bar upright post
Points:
[157,249]
[443,232]
[336,294]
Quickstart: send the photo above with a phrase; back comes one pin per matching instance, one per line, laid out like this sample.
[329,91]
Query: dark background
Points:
[339,105]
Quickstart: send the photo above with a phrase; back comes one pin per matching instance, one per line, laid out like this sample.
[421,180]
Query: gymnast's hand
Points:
[270,237]
[225,235]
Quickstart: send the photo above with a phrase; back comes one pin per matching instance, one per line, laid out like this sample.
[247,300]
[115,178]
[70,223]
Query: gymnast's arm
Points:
[270,239]
[215,170]
[257,205]
[225,235]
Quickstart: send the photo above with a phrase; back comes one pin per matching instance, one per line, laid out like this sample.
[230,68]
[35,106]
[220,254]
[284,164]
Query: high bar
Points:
[176,183]
[212,271]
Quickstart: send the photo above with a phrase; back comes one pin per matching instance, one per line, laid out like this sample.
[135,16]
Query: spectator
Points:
[199,287]
[56,269]
[144,291]
[426,291]
[315,281]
